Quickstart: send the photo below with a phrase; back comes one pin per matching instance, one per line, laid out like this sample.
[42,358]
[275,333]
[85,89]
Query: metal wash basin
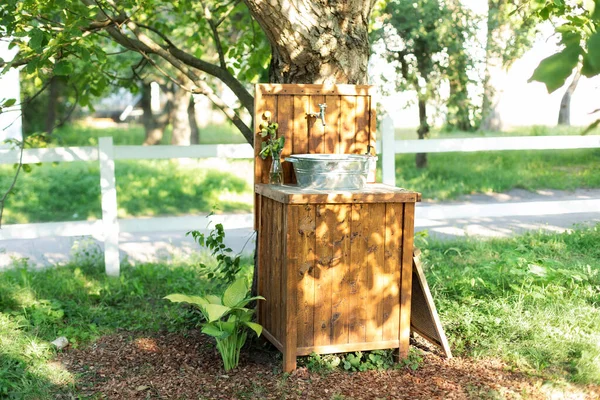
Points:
[332,171]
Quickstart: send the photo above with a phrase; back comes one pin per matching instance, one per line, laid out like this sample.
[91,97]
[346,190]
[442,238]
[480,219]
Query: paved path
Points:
[495,215]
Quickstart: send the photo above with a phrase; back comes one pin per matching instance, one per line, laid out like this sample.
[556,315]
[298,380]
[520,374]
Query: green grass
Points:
[71,191]
[79,134]
[450,175]
[533,300]
[79,301]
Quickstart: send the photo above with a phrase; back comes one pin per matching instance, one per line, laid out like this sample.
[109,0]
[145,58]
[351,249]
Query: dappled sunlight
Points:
[148,345]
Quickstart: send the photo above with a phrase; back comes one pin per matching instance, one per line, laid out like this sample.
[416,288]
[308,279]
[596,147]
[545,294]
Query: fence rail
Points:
[106,153]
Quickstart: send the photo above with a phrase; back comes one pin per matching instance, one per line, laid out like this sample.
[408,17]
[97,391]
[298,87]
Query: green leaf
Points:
[214,312]
[182,298]
[587,69]
[591,127]
[593,48]
[63,67]
[248,300]
[214,331]
[235,293]
[36,39]
[554,70]
[257,328]
[212,299]
[9,102]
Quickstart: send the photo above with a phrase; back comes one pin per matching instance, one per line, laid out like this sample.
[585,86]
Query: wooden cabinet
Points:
[335,269]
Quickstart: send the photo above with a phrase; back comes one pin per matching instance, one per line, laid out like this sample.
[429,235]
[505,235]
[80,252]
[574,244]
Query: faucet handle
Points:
[324,105]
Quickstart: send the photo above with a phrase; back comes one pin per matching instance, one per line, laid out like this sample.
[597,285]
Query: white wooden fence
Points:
[106,153]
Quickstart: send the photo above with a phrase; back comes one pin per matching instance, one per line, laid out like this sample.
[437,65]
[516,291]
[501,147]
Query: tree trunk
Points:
[52,109]
[316,42]
[181,124]
[493,81]
[564,113]
[195,130]
[154,125]
[423,131]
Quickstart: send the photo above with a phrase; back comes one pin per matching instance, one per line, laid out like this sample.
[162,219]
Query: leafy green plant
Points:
[373,360]
[227,318]
[228,265]
[273,144]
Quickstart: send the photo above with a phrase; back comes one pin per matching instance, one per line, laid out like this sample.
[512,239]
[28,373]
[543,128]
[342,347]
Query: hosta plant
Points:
[227,318]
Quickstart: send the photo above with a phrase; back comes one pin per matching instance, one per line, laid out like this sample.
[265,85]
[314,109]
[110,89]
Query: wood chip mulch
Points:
[175,366]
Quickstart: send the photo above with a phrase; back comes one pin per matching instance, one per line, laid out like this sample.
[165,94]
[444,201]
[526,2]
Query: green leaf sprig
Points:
[273,144]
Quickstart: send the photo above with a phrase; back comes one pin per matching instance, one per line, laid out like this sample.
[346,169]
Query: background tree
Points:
[511,28]
[311,42]
[578,26]
[425,41]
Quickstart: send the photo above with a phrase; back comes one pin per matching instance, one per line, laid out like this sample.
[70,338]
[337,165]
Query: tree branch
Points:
[215,34]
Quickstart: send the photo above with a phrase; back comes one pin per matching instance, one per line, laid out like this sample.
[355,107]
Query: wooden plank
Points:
[285,118]
[340,238]
[392,263]
[361,139]
[372,138]
[357,274]
[424,317]
[317,89]
[347,347]
[322,302]
[333,121]
[316,130]
[305,274]
[300,139]
[406,277]
[375,272]
[269,336]
[276,277]
[291,261]
[260,250]
[268,293]
[347,124]
[372,193]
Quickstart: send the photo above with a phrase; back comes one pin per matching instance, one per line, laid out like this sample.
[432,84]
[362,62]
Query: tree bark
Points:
[564,113]
[154,125]
[423,131]
[497,31]
[195,130]
[315,41]
[180,121]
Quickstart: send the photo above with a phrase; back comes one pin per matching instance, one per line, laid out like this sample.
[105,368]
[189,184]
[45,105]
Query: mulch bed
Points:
[175,366]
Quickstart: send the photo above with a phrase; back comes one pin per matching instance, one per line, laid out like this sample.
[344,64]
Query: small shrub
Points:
[227,318]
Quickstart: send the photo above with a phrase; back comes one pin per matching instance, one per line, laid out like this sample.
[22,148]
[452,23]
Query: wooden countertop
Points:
[371,193]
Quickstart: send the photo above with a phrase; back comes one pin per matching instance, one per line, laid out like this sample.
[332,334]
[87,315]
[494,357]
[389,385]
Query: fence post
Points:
[109,206]
[388,151]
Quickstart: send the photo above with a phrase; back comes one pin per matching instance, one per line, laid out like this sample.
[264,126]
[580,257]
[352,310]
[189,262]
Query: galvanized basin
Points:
[331,171]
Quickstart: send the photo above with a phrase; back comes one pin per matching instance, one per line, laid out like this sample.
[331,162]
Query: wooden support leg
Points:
[406,278]
[289,359]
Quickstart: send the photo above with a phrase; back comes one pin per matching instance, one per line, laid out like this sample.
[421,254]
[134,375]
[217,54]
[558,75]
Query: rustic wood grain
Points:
[285,119]
[333,120]
[322,295]
[358,273]
[340,264]
[371,193]
[348,124]
[308,89]
[406,277]
[392,264]
[290,264]
[375,275]
[305,274]
[361,138]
